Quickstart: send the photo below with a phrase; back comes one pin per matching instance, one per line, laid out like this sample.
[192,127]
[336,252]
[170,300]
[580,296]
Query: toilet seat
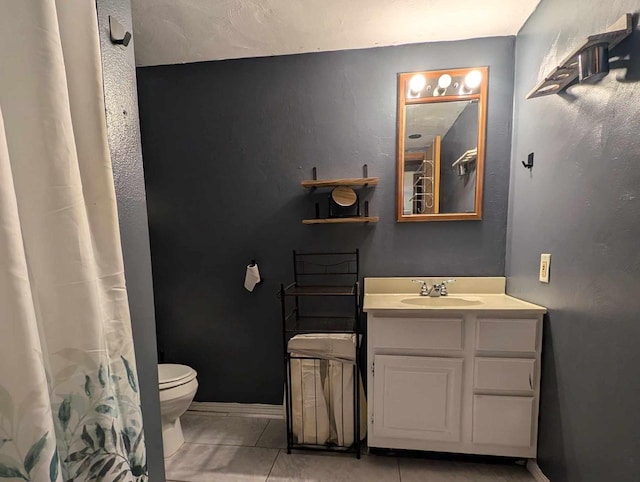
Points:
[172,375]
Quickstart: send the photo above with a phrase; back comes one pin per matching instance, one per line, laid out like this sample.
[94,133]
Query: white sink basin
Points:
[442,301]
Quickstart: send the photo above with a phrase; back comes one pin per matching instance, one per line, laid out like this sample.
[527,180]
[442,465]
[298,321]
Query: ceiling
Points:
[180,31]
[430,120]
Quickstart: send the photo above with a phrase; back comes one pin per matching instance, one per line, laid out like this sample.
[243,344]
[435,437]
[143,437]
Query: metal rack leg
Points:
[289,415]
[356,411]
[287,373]
[356,378]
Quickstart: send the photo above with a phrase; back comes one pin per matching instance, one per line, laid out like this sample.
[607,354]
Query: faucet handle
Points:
[424,291]
[443,286]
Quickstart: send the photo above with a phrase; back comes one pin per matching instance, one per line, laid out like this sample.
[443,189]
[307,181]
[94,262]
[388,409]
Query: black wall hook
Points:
[529,164]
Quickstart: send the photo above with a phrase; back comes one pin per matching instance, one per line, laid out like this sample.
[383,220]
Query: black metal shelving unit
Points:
[318,275]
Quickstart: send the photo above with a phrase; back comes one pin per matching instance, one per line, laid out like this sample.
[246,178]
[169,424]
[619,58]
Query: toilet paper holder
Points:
[253,263]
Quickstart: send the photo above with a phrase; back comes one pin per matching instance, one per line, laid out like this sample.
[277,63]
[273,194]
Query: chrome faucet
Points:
[436,290]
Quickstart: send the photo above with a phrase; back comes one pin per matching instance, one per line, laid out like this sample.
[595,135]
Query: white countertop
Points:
[466,294]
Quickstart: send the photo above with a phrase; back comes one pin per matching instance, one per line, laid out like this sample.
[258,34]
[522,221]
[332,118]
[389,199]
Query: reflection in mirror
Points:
[441,144]
[439,157]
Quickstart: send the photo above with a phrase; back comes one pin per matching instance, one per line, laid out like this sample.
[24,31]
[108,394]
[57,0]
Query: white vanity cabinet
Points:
[462,381]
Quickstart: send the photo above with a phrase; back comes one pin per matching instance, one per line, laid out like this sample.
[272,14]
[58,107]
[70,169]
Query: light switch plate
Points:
[545,264]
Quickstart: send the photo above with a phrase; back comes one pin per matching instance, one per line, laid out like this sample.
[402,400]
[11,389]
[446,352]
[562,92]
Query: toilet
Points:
[178,386]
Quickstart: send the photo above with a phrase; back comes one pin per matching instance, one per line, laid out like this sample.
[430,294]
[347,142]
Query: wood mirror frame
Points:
[405,99]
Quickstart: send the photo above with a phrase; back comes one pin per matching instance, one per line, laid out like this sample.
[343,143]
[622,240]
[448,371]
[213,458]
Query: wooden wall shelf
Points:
[361,219]
[351,212]
[354,181]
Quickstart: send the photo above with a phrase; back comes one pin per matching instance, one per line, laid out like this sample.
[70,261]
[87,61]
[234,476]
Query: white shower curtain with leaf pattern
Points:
[69,402]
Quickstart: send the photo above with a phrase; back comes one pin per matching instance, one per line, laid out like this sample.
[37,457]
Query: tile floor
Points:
[226,448]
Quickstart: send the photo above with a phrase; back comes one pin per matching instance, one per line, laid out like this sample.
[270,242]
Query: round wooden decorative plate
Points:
[344,196]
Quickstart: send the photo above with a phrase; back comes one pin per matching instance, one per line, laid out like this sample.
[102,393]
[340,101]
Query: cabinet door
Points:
[417,397]
[502,420]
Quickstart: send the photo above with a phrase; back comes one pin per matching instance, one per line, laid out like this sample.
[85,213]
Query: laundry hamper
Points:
[322,389]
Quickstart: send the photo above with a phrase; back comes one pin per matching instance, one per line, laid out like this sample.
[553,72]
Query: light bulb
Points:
[444,81]
[473,79]
[417,83]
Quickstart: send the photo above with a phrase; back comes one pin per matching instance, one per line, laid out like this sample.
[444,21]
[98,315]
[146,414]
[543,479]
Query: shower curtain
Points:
[69,402]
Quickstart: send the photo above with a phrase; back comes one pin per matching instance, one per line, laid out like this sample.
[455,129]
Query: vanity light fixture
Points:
[472,79]
[417,83]
[589,63]
[470,83]
[444,81]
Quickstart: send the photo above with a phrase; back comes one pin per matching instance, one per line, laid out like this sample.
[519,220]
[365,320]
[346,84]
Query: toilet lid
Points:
[172,375]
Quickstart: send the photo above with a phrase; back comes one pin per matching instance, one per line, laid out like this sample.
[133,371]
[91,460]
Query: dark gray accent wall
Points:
[458,193]
[124,142]
[581,203]
[226,145]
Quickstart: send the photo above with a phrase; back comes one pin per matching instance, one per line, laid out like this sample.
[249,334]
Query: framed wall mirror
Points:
[442,117]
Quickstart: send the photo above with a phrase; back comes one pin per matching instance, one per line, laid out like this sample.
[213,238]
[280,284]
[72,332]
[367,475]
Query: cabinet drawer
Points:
[504,374]
[418,333]
[507,335]
[502,420]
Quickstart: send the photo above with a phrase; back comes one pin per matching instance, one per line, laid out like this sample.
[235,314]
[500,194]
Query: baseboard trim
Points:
[240,409]
[536,471]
